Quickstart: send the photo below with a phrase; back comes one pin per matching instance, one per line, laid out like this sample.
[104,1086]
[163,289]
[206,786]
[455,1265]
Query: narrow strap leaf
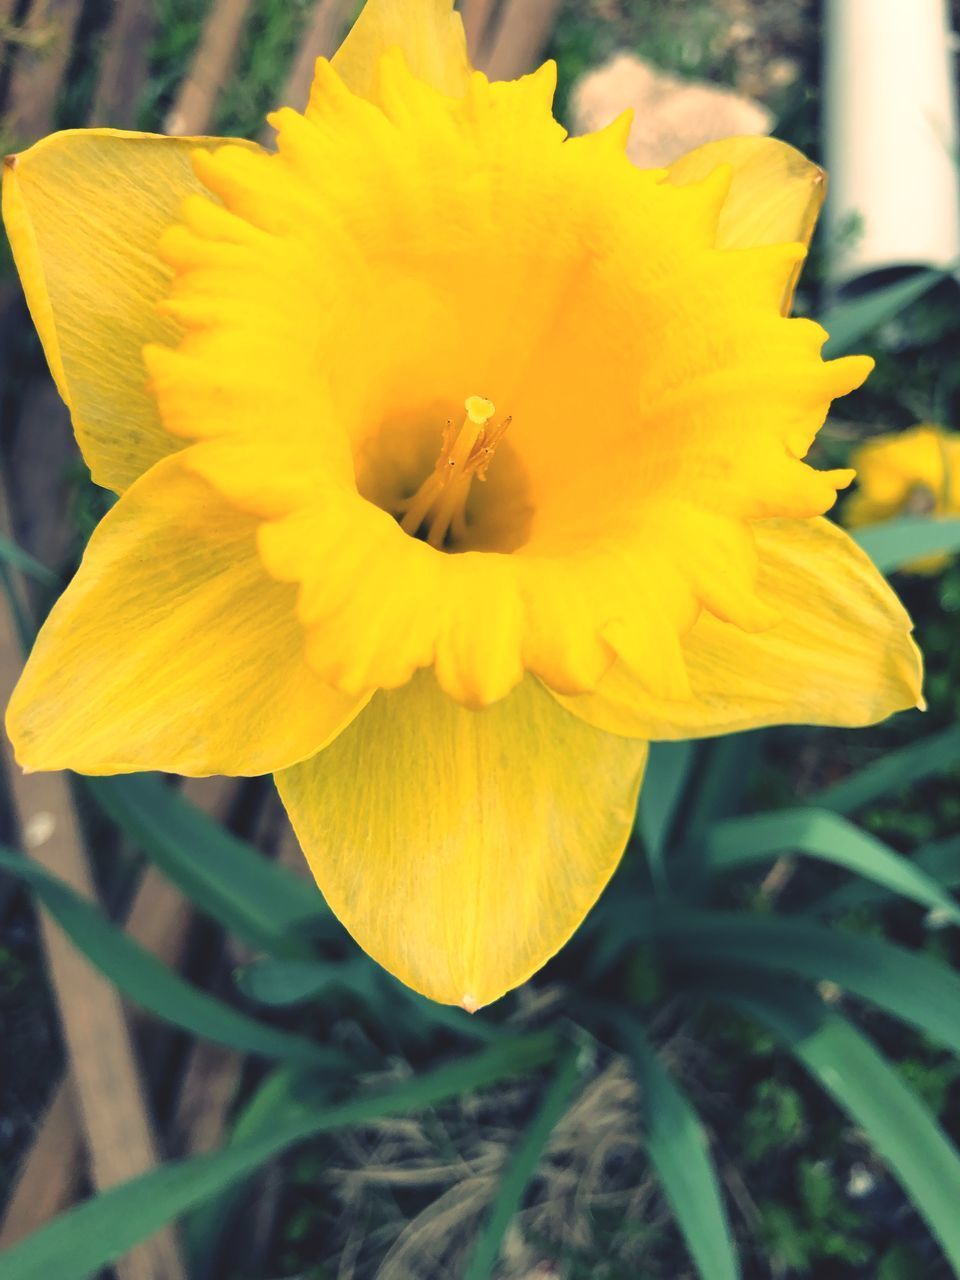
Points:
[912,987]
[680,1153]
[668,767]
[894,772]
[143,979]
[873,1093]
[821,834]
[940,860]
[96,1233]
[849,322]
[13,555]
[896,543]
[222,875]
[521,1168]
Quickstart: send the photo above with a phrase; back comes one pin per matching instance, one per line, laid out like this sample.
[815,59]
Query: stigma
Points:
[440,504]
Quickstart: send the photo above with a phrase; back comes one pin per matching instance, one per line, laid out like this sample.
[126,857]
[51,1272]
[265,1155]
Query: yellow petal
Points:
[462,848]
[841,654]
[84,211]
[775,194]
[172,649]
[350,290]
[429,33]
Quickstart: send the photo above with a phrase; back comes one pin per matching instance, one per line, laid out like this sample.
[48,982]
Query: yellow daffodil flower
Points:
[915,472]
[457,459]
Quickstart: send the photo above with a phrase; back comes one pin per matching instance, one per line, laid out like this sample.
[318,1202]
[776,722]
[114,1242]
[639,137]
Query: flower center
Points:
[440,504]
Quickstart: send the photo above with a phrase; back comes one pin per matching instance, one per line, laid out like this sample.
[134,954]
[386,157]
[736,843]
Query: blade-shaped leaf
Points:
[894,772]
[204,1229]
[223,876]
[680,1153]
[521,1168]
[872,1092]
[143,979]
[668,766]
[914,988]
[895,543]
[109,1225]
[288,982]
[940,860]
[721,777]
[13,555]
[849,322]
[738,842]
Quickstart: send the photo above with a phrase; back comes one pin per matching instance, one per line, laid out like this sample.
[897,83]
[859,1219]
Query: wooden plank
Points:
[124,64]
[213,1072]
[192,111]
[521,35]
[102,1063]
[477,23]
[104,1071]
[39,65]
[210,1083]
[50,1176]
[321,39]
[159,920]
[9,30]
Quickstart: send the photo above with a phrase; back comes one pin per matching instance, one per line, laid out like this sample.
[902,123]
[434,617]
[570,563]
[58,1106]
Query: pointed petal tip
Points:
[10,161]
[467,919]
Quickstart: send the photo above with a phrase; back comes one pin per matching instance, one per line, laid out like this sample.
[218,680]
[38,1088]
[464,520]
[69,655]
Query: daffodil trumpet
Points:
[457,459]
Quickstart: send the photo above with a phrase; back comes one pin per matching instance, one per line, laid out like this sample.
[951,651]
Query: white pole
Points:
[891,137]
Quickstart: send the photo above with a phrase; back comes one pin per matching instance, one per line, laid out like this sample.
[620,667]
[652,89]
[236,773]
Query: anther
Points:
[441,500]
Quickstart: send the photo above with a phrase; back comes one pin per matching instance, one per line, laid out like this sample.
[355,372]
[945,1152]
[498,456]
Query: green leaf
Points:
[290,982]
[894,772]
[23,627]
[277,1098]
[721,778]
[96,1233]
[222,875]
[739,842]
[722,771]
[668,767]
[939,860]
[26,563]
[286,982]
[849,1067]
[896,543]
[143,979]
[521,1168]
[849,322]
[680,1153]
[918,990]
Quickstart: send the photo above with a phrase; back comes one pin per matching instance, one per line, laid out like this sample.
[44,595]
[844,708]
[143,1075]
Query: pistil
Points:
[441,501]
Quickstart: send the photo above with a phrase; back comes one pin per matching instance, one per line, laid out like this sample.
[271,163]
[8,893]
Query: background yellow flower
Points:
[914,472]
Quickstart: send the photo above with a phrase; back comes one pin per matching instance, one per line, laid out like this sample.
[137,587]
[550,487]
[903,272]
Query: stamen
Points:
[465,455]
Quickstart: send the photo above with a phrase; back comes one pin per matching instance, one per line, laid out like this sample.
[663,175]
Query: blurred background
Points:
[713,1105]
